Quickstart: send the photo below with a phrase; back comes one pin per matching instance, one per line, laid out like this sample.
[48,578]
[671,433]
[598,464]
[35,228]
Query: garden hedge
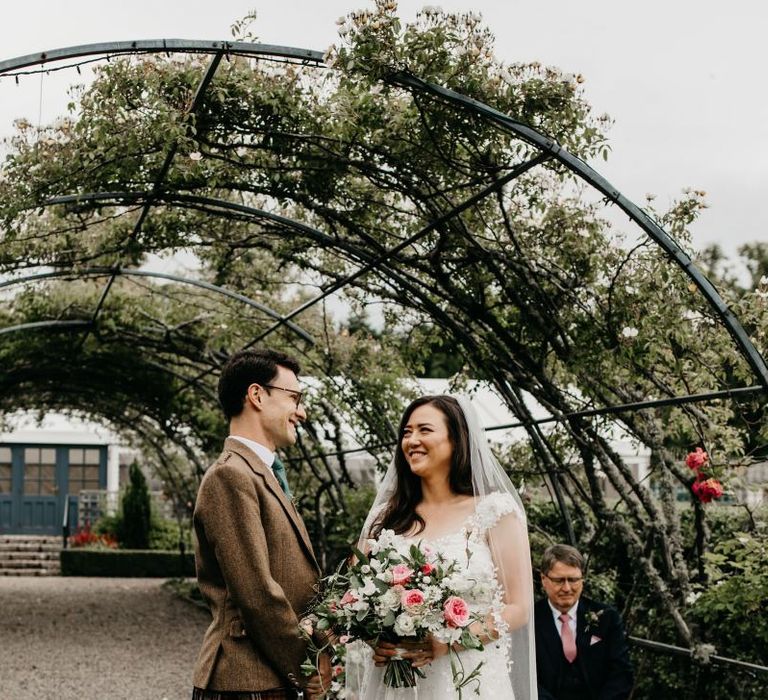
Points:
[133,563]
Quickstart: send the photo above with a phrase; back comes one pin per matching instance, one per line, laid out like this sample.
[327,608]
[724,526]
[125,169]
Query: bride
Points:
[445,489]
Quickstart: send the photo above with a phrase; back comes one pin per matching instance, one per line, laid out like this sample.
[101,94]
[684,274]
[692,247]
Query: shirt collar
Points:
[571,613]
[263,453]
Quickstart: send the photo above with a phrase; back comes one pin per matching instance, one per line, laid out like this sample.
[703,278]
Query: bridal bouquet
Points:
[403,591]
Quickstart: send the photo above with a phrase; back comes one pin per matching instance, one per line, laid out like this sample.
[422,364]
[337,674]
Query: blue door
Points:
[36,480]
[39,512]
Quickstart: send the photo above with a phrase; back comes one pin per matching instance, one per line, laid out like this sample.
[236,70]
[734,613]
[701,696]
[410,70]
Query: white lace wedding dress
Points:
[467,545]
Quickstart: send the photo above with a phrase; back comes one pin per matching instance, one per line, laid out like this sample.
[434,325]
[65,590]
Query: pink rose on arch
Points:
[697,459]
[348,598]
[456,612]
[401,574]
[707,490]
[412,597]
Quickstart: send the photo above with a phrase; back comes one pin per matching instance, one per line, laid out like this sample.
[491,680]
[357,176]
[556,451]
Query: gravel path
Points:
[96,639]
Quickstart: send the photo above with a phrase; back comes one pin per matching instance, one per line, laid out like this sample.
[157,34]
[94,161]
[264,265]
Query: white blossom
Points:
[629,332]
[405,625]
[369,588]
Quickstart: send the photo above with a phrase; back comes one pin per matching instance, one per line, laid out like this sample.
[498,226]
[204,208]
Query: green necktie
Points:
[279,469]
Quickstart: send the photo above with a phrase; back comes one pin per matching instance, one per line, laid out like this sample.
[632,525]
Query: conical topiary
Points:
[136,510]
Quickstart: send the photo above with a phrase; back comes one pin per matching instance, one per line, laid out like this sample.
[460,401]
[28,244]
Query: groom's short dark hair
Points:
[249,367]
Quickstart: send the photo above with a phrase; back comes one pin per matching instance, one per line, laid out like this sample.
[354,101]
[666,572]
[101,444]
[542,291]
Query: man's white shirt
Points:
[263,453]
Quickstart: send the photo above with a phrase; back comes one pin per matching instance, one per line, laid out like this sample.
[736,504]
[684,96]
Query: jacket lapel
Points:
[583,637]
[270,481]
[548,631]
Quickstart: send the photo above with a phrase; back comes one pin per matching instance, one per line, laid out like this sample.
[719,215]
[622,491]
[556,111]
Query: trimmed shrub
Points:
[137,511]
[125,563]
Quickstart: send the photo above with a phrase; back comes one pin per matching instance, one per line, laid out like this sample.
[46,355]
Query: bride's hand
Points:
[438,648]
[418,652]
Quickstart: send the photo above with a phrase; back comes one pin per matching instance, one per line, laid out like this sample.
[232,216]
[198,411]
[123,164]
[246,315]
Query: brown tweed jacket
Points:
[256,570]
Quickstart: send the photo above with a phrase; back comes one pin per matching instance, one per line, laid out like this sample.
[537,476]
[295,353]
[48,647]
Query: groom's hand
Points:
[318,685]
[418,652]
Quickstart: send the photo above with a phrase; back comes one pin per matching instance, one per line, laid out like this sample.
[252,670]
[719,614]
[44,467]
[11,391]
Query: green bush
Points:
[166,534]
[125,563]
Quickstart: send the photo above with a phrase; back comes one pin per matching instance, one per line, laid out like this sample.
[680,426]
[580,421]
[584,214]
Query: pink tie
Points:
[566,634]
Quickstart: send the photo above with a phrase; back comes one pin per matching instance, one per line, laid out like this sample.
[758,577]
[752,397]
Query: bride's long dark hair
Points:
[400,512]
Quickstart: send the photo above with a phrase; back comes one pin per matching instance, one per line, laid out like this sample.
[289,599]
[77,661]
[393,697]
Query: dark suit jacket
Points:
[602,660]
[256,570]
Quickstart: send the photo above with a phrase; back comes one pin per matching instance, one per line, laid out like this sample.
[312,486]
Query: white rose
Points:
[369,588]
[390,600]
[404,625]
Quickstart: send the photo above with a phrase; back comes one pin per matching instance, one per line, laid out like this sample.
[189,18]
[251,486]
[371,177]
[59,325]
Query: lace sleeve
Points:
[493,507]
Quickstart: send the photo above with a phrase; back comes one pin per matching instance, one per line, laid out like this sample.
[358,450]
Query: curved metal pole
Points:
[45,325]
[106,271]
[635,213]
[114,48]
[575,165]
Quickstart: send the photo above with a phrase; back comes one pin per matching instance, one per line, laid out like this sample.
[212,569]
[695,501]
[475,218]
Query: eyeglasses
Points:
[560,582]
[295,395]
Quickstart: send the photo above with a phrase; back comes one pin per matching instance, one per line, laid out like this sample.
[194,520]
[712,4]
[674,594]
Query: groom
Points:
[581,651]
[255,564]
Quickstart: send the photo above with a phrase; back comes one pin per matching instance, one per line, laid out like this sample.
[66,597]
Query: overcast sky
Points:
[683,79]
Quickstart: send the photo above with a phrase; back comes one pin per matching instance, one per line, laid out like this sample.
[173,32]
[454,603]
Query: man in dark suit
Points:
[255,564]
[581,650]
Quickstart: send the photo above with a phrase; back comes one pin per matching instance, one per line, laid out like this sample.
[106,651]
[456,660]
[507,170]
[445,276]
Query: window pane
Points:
[5,455]
[5,478]
[92,456]
[32,455]
[75,455]
[48,488]
[48,456]
[91,473]
[48,472]
[31,472]
[31,488]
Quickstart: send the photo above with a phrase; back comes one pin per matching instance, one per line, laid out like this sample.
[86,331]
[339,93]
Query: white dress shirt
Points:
[263,453]
[571,615]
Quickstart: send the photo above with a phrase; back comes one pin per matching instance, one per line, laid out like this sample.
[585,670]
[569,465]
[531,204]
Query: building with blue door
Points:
[47,470]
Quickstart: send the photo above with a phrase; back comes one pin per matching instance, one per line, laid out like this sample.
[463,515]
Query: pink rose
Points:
[348,598]
[708,490]
[428,551]
[697,459]
[337,671]
[411,598]
[456,612]
[344,639]
[401,574]
[427,569]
